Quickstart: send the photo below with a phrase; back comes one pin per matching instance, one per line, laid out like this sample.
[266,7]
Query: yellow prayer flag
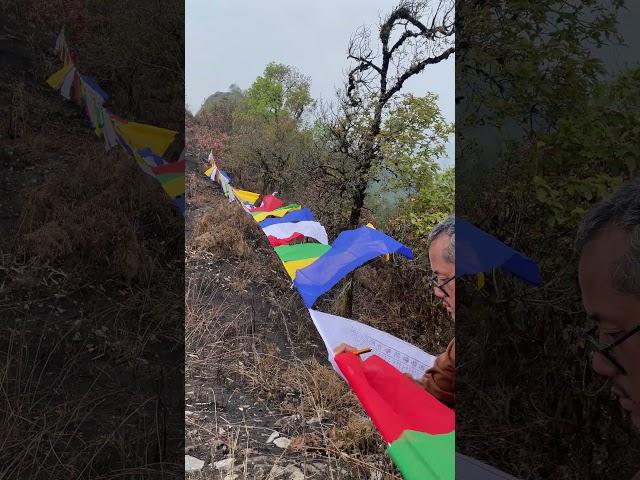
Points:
[139,136]
[245,196]
[480,280]
[174,187]
[55,80]
[260,216]
[209,171]
[294,265]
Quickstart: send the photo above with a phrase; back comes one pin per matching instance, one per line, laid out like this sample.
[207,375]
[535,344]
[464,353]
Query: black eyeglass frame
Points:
[434,282]
[607,350]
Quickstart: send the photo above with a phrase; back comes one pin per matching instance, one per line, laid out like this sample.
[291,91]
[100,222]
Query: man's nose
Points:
[602,366]
[438,292]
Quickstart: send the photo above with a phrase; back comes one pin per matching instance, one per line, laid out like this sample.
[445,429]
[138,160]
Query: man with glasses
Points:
[608,243]
[439,380]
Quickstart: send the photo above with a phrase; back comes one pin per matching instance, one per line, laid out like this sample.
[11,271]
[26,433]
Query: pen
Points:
[362,350]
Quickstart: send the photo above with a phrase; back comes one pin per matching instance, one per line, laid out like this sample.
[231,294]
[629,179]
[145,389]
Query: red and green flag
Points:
[419,429]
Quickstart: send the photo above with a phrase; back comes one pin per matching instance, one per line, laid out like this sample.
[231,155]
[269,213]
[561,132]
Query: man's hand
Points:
[344,347]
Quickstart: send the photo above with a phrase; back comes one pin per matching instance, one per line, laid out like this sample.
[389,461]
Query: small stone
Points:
[288,421]
[314,421]
[294,472]
[225,464]
[192,464]
[273,436]
[282,442]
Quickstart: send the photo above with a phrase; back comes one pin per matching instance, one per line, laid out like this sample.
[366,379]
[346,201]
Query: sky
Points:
[231,41]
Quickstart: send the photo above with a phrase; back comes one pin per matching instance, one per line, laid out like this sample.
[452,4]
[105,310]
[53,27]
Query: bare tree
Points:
[416,33]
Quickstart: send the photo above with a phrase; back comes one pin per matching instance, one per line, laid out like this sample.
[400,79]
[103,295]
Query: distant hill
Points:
[226,100]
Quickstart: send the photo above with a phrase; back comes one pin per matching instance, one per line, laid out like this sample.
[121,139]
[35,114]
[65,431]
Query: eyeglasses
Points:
[607,350]
[434,282]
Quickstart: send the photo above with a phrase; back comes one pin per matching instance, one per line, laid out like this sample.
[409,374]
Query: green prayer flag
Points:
[421,456]
[301,251]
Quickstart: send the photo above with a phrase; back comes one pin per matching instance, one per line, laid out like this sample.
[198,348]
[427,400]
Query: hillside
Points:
[256,365]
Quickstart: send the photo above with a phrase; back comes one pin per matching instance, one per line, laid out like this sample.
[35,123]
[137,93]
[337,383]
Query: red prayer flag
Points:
[276,242]
[175,167]
[269,203]
[393,401]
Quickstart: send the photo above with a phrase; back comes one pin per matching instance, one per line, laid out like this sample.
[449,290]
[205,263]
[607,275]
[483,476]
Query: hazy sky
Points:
[231,41]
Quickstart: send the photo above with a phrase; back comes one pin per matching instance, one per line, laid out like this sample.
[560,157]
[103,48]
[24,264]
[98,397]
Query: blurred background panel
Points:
[546,110]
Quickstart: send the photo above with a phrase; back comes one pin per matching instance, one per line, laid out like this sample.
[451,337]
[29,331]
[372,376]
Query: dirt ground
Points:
[255,366]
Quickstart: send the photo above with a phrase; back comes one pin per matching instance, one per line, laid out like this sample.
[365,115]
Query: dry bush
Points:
[320,389]
[223,233]
[100,228]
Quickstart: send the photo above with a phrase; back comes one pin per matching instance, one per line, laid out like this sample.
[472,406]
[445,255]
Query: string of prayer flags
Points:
[150,146]
[287,231]
[351,249]
[477,251]
[304,214]
[419,429]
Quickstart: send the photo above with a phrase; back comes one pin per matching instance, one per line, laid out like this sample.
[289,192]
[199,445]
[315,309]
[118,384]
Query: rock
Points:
[289,421]
[282,442]
[225,464]
[273,436]
[314,421]
[192,464]
[294,472]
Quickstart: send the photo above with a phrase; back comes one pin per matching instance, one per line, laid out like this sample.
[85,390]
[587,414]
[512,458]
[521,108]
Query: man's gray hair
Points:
[447,227]
[621,209]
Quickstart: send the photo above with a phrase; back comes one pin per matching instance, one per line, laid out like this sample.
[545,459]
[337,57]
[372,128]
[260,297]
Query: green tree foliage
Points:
[280,88]
[590,152]
[270,141]
[413,139]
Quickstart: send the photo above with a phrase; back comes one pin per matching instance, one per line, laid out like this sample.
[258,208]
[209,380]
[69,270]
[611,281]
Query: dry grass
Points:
[224,236]
[90,277]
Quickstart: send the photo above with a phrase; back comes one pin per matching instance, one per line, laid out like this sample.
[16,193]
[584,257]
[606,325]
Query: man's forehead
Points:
[599,256]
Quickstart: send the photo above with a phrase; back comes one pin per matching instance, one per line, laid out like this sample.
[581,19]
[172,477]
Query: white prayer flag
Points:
[307,228]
